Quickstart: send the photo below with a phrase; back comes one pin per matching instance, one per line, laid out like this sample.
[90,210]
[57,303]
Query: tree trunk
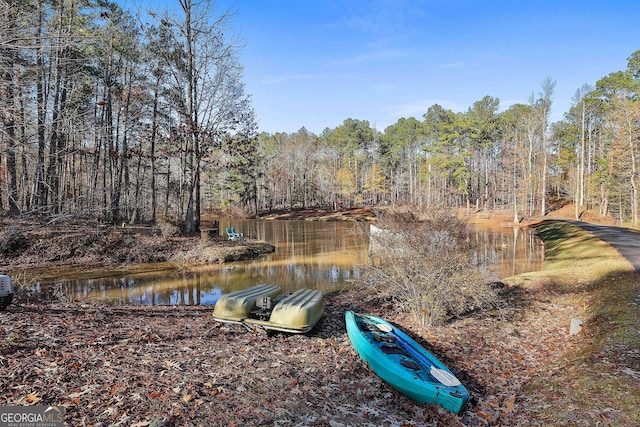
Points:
[53,170]
[9,120]
[152,150]
[40,178]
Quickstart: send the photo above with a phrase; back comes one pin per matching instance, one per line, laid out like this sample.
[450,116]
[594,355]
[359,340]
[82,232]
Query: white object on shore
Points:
[575,326]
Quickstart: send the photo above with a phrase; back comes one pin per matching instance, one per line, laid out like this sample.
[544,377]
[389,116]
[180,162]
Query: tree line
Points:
[481,158]
[127,117]
[116,116]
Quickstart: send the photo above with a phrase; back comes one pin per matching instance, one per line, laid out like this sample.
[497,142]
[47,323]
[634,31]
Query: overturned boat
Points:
[265,306]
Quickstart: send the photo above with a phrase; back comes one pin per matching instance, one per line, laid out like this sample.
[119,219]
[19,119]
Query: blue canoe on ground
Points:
[404,364]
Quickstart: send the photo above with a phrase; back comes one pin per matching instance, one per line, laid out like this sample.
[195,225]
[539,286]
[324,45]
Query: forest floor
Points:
[175,366]
[33,245]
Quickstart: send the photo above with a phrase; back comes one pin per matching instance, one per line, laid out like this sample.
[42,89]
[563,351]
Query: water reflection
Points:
[316,255]
[509,251]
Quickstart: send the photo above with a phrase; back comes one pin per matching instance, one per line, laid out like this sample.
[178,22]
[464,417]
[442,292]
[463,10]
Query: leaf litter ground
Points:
[175,366]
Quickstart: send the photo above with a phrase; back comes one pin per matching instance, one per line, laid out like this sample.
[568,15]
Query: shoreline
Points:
[29,244]
[31,247]
[174,365]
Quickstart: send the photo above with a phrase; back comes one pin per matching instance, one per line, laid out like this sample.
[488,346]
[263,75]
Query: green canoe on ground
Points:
[264,306]
[236,306]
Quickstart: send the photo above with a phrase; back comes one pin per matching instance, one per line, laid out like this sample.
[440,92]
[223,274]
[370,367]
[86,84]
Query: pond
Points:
[309,254]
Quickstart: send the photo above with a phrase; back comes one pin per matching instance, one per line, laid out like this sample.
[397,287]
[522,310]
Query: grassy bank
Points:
[598,382]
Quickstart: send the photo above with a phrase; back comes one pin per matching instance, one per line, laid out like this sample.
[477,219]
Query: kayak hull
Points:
[298,312]
[236,306]
[404,364]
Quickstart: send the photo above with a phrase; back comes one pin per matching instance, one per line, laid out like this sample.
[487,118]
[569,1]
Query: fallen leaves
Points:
[86,390]
[145,365]
[510,404]
[32,398]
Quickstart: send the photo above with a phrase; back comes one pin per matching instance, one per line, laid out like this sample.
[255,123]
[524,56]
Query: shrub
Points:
[428,267]
[169,228]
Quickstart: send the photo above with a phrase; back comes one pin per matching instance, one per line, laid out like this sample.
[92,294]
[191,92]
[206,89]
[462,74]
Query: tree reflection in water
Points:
[309,254]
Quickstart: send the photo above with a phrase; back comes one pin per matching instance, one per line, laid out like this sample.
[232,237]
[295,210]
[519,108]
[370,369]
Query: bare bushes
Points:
[429,267]
[169,227]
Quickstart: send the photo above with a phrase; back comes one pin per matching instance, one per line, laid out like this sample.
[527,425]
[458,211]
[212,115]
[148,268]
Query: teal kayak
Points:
[404,364]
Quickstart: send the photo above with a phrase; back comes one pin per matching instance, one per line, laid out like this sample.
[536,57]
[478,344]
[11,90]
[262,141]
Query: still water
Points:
[317,255]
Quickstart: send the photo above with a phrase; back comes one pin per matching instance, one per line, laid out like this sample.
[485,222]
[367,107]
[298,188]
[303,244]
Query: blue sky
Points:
[315,63]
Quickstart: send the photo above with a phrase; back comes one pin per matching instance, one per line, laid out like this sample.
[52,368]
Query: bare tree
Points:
[12,41]
[208,90]
[542,109]
[622,122]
